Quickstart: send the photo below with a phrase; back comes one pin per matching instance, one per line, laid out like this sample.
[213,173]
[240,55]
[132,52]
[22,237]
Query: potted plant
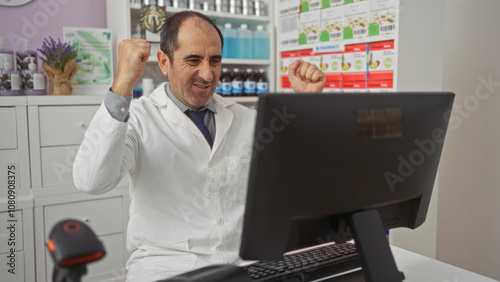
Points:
[59,61]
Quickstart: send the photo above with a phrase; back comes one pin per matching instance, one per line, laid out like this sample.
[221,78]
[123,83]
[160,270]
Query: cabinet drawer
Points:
[12,237]
[16,273]
[104,216]
[57,165]
[64,125]
[8,158]
[8,128]
[106,268]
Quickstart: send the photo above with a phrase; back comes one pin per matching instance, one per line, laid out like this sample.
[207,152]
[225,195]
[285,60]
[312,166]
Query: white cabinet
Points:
[123,17]
[40,136]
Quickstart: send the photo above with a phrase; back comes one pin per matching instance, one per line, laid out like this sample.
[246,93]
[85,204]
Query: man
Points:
[187,184]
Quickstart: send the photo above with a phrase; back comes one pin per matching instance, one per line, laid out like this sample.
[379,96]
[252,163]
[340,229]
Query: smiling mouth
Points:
[202,86]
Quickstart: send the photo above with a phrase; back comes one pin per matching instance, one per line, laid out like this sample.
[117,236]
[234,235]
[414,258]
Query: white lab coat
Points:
[187,201]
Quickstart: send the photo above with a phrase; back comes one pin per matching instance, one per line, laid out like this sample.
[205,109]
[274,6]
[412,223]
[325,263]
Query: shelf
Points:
[243,99]
[213,14]
[344,42]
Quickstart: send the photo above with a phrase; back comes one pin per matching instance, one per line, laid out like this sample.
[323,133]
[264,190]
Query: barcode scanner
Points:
[72,244]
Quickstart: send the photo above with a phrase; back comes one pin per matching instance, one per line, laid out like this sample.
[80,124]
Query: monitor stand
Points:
[373,247]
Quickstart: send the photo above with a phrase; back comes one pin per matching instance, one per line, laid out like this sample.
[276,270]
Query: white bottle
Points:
[33,81]
[148,86]
[7,55]
[24,57]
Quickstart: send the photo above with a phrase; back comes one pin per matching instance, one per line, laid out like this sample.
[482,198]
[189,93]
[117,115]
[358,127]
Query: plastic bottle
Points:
[226,85]
[237,83]
[10,80]
[230,49]
[137,92]
[260,44]
[244,45]
[249,86]
[7,55]
[262,82]
[33,80]
[24,55]
[148,86]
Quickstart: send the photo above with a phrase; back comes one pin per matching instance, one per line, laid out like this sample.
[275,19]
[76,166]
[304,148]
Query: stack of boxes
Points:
[360,63]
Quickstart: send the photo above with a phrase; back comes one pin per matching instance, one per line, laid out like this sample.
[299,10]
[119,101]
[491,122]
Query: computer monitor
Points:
[326,167]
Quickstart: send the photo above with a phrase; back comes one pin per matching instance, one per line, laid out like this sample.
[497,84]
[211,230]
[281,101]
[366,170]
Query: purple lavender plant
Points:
[57,54]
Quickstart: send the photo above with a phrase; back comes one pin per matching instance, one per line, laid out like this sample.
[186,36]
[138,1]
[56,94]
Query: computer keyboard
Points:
[308,265]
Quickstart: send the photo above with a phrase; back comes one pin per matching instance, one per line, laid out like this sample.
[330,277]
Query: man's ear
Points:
[163,62]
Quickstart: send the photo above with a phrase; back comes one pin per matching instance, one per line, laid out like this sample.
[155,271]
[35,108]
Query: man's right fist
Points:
[132,57]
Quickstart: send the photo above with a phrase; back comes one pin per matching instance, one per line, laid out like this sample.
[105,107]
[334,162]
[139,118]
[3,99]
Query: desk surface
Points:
[421,268]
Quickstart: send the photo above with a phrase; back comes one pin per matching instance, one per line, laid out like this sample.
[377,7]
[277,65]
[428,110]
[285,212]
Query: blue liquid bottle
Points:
[245,38]
[260,44]
[230,49]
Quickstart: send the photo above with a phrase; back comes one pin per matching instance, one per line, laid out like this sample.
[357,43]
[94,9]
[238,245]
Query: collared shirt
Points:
[119,106]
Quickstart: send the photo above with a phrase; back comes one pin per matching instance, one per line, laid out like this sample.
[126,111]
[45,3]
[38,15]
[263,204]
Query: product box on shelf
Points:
[310,5]
[286,58]
[381,60]
[286,87]
[289,31]
[331,65]
[332,86]
[332,3]
[309,27]
[383,17]
[354,63]
[356,18]
[332,24]
[353,86]
[283,8]
[380,86]
[293,7]
[310,57]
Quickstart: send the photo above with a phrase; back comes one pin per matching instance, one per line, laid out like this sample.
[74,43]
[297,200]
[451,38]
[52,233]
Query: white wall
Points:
[420,64]
[468,233]
[462,53]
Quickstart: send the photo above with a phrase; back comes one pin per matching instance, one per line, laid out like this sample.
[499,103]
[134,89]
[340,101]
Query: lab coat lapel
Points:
[223,120]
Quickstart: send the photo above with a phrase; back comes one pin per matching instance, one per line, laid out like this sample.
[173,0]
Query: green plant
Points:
[57,54]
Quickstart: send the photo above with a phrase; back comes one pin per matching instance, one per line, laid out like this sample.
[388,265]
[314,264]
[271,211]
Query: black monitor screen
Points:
[318,158]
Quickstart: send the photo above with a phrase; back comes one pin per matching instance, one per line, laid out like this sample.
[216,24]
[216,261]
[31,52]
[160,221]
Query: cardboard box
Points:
[309,27]
[331,65]
[310,57]
[332,24]
[381,60]
[383,15]
[332,3]
[332,86]
[380,86]
[289,31]
[286,58]
[356,19]
[353,86]
[310,5]
[283,8]
[293,7]
[354,63]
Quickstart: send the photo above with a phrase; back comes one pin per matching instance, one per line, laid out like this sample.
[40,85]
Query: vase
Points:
[61,81]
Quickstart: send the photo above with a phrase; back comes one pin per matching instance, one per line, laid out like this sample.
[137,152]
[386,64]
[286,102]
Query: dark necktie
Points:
[199,120]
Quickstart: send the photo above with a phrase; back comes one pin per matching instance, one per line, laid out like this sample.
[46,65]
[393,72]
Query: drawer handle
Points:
[83,125]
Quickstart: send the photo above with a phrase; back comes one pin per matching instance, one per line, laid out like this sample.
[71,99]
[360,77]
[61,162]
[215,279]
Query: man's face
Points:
[196,66]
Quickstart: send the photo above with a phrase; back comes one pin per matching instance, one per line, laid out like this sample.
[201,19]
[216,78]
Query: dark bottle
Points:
[237,83]
[226,87]
[249,86]
[262,83]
